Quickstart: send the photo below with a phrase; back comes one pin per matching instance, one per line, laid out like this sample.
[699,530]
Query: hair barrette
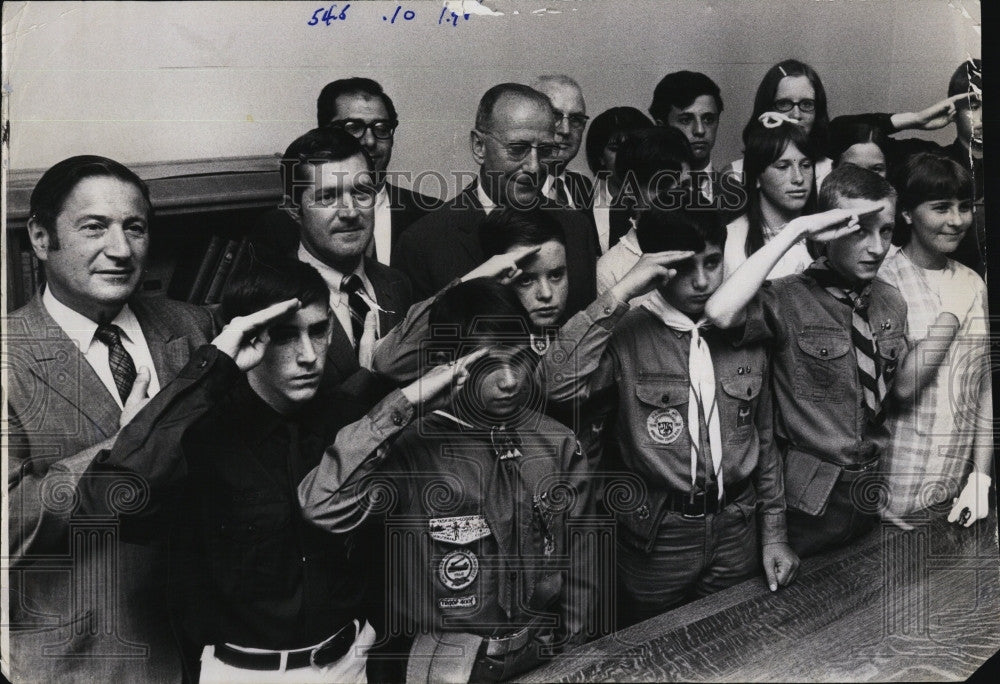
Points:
[775,119]
[782,70]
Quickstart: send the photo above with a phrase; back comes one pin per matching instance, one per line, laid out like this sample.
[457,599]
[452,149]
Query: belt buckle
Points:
[327,645]
[698,506]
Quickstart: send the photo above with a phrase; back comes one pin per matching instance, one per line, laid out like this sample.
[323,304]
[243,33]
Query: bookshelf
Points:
[202,210]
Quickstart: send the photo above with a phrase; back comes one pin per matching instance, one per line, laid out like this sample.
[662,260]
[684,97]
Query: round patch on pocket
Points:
[458,569]
[664,425]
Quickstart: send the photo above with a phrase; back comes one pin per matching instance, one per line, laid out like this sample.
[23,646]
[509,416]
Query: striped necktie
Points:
[865,344]
[351,284]
[122,366]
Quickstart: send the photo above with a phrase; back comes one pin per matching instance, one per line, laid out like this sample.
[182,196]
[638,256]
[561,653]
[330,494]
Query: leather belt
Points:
[705,502]
[330,651]
[500,646]
[853,472]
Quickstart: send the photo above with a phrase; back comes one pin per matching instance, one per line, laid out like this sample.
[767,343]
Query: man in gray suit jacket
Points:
[83,357]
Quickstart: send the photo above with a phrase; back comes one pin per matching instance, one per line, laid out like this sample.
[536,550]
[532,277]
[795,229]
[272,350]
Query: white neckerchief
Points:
[701,385]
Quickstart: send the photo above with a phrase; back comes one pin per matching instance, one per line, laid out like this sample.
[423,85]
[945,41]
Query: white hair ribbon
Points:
[775,119]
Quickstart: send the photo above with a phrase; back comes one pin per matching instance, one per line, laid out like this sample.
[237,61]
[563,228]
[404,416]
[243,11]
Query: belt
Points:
[500,646]
[330,651]
[704,502]
[853,472]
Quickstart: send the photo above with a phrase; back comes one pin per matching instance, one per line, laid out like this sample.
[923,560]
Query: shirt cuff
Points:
[773,529]
[221,370]
[391,415]
[606,310]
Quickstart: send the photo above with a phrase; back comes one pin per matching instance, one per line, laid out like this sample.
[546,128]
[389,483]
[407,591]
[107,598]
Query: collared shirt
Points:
[602,213]
[933,438]
[338,298]
[548,189]
[484,199]
[81,330]
[382,237]
[795,260]
[820,405]
[705,177]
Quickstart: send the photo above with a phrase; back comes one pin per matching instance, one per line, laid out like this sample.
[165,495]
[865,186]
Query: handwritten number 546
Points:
[328,14]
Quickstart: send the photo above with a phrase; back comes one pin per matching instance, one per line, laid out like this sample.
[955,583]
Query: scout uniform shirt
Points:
[476,520]
[821,412]
[648,363]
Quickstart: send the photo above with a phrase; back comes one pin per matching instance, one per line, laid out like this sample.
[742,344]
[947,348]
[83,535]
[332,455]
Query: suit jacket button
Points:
[202,363]
[396,418]
[665,398]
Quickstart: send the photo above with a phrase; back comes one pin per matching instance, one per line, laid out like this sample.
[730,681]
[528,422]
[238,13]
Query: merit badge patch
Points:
[457,602]
[461,529]
[743,415]
[664,425]
[458,569]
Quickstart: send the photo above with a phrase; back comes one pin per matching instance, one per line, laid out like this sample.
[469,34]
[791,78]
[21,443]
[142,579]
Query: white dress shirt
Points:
[382,236]
[338,298]
[618,261]
[81,330]
[548,189]
[602,213]
[484,199]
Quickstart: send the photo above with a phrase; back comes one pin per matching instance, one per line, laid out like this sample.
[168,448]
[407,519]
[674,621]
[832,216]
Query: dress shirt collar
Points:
[81,329]
[631,241]
[484,199]
[547,190]
[333,278]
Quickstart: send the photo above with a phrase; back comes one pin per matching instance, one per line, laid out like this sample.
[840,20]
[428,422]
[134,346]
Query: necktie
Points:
[351,284]
[122,366]
[559,189]
[865,346]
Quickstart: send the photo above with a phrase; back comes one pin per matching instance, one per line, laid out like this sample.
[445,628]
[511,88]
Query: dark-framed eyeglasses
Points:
[576,121]
[804,105]
[383,129]
[517,151]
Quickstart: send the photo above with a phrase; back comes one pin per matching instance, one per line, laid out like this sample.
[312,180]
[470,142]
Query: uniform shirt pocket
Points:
[823,364]
[738,406]
[660,413]
[891,351]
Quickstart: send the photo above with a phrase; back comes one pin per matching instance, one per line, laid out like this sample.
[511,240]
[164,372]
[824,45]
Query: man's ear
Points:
[477,142]
[40,240]
[907,216]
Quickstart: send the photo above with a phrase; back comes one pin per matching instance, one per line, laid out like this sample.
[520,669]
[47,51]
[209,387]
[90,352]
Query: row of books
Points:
[221,260]
[23,273]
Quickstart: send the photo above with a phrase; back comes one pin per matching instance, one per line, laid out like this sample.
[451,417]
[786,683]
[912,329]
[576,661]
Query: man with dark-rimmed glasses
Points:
[512,140]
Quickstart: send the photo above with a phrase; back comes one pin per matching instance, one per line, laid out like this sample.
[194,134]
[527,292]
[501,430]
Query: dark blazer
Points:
[581,189]
[276,232]
[61,416]
[445,244]
[394,294]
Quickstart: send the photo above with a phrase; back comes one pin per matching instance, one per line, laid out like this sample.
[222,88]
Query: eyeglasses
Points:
[576,121]
[786,105]
[380,128]
[517,151]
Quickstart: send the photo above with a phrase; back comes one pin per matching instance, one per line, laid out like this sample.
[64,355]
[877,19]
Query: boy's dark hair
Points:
[660,230]
[59,181]
[480,310]
[609,125]
[853,182]
[265,283]
[680,89]
[768,88]
[764,146]
[488,102]
[969,73]
[926,177]
[646,153]
[326,103]
[508,227]
[846,131]
[317,146]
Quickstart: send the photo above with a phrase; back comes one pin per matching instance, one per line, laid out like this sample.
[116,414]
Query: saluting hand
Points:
[504,267]
[650,272]
[938,115]
[431,390]
[833,223]
[245,337]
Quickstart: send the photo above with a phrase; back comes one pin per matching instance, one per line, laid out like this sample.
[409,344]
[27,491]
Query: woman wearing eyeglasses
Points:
[780,171]
[794,89]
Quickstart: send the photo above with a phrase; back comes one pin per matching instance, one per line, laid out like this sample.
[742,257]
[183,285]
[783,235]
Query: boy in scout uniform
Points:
[837,334]
[477,498]
[693,424]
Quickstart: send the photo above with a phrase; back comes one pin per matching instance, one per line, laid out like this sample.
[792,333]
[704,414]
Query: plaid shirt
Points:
[932,439]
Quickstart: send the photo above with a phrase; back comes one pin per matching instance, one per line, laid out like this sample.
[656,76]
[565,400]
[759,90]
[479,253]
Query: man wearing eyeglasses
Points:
[567,188]
[513,139]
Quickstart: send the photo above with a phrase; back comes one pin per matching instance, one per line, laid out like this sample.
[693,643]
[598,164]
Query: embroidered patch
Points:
[458,569]
[460,529]
[743,415]
[457,602]
[664,425]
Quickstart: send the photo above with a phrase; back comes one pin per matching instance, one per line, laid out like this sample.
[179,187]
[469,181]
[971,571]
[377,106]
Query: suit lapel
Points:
[387,294]
[469,221]
[341,357]
[170,352]
[61,366]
